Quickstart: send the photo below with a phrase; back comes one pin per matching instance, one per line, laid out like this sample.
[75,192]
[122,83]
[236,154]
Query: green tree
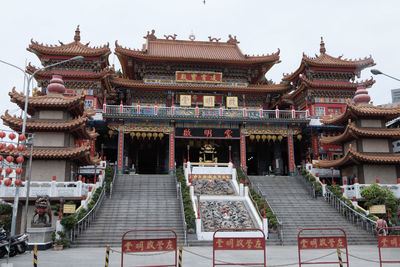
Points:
[376,195]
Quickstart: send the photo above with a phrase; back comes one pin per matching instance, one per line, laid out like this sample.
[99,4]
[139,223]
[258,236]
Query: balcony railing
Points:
[206,113]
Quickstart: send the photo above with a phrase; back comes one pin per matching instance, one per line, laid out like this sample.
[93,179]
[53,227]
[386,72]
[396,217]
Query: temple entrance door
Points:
[147,156]
[147,159]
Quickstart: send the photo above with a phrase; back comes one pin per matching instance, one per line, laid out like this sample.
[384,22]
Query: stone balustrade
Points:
[355,189]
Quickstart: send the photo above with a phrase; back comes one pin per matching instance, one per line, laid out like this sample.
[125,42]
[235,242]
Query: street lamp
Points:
[16,197]
[377,72]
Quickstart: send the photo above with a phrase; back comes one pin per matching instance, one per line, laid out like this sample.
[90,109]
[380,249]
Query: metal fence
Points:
[180,199]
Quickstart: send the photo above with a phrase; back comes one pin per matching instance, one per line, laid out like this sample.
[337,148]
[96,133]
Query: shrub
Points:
[376,195]
[187,202]
[69,222]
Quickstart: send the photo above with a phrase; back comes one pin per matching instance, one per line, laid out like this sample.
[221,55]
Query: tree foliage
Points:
[376,195]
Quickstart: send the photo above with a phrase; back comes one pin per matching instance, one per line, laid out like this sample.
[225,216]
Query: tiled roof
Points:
[53,152]
[75,103]
[354,157]
[326,61]
[353,132]
[181,50]
[354,111]
[306,83]
[261,88]
[69,74]
[75,48]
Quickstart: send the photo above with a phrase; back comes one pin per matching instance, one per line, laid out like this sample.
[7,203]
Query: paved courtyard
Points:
[363,256]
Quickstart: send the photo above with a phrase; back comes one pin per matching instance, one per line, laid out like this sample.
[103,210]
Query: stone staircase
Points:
[297,209]
[137,202]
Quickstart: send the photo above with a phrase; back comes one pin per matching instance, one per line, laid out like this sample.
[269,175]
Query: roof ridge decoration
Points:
[172,37]
[232,40]
[151,36]
[322,49]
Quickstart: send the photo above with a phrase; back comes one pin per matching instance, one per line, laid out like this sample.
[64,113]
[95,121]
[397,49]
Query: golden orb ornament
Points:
[280,138]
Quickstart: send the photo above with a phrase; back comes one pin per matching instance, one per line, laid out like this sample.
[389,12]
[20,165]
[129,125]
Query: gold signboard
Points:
[69,208]
[185,100]
[232,101]
[377,209]
[198,77]
[209,101]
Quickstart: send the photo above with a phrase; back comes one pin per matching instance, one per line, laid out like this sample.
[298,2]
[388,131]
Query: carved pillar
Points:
[171,169]
[278,163]
[291,164]
[120,150]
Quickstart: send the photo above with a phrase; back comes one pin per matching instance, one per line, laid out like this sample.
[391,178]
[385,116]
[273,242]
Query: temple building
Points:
[321,84]
[367,143]
[58,123]
[173,98]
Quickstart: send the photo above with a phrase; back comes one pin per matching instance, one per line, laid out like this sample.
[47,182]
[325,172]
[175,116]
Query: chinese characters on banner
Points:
[231,101]
[291,154]
[254,243]
[185,100]
[243,150]
[120,148]
[322,242]
[209,101]
[148,245]
[172,150]
[315,145]
[389,241]
[198,77]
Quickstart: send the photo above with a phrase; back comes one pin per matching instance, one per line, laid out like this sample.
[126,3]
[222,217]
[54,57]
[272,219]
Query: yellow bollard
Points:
[107,254]
[180,256]
[339,255]
[35,256]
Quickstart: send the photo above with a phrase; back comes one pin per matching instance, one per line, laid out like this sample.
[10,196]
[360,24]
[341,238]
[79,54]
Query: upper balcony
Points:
[189,113]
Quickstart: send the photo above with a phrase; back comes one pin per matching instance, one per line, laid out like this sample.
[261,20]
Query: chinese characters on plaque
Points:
[322,242]
[148,245]
[185,100]
[254,243]
[231,101]
[207,133]
[209,101]
[198,77]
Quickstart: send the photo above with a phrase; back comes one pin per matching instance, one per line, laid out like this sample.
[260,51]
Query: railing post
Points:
[172,111]
[104,105]
[261,112]
[277,112]
[155,109]
[197,109]
[138,108]
[307,113]
[121,107]
[357,190]
[244,110]
[293,113]
[220,110]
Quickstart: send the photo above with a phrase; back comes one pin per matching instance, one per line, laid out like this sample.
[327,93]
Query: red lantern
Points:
[1,158]
[21,137]
[18,182]
[2,146]
[7,182]
[20,159]
[12,136]
[9,170]
[21,148]
[2,135]
[10,159]
[18,171]
[11,147]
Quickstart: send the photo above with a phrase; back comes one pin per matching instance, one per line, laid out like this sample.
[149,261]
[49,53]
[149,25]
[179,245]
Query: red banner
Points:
[252,243]
[148,245]
[291,154]
[243,150]
[172,150]
[315,144]
[198,77]
[120,149]
[389,241]
[328,242]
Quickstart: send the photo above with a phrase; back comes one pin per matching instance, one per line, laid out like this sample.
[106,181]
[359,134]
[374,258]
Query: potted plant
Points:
[61,241]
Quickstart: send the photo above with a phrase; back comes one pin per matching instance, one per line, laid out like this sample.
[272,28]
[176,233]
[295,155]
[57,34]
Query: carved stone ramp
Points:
[296,209]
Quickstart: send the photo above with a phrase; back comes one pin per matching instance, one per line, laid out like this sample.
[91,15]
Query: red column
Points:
[172,150]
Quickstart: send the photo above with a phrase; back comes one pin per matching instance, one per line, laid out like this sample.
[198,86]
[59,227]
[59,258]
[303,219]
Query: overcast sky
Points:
[352,28]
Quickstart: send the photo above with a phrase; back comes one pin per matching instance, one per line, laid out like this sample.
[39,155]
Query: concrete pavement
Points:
[363,256]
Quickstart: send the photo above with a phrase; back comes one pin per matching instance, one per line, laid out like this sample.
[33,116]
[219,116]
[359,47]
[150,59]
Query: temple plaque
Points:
[198,77]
